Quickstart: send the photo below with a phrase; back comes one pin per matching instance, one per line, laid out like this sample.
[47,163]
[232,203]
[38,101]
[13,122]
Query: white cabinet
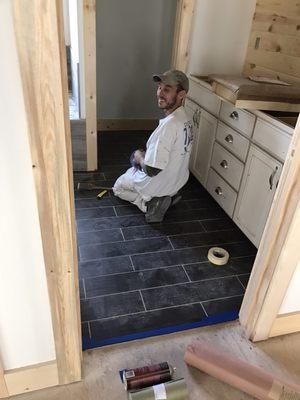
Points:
[204,132]
[259,183]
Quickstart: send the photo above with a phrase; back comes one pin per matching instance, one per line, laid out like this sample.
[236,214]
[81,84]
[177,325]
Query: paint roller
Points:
[248,378]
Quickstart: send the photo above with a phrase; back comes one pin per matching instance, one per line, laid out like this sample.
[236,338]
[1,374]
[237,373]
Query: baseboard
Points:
[33,377]
[126,124]
[286,323]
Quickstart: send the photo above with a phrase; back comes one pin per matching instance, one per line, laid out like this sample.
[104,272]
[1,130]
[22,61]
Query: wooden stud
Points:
[3,387]
[261,298]
[38,28]
[181,39]
[89,40]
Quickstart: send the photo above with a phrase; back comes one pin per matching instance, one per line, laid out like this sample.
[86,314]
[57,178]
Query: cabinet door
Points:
[204,146]
[259,183]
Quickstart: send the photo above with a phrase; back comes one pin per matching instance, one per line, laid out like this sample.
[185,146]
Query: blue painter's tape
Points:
[90,343]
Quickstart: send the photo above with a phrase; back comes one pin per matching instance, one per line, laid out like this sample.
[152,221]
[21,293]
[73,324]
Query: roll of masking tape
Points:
[218,256]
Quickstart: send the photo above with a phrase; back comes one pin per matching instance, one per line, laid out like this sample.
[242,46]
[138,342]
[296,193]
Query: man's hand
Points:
[139,156]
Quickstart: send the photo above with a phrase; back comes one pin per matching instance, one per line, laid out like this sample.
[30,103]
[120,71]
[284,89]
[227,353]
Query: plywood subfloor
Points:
[101,381]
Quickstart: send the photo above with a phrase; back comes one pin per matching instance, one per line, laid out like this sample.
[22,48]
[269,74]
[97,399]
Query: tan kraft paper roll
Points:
[173,390]
[218,256]
[240,374]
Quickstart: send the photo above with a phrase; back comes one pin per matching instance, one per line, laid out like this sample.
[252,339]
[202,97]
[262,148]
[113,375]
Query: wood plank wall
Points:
[274,45]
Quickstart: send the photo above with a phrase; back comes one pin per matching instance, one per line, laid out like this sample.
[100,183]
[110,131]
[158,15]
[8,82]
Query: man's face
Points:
[168,97]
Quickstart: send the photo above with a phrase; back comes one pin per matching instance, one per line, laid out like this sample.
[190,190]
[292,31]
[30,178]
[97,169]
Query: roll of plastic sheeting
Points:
[240,374]
[172,390]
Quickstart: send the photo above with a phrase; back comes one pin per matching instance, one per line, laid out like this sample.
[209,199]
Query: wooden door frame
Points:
[42,58]
[182,33]
[276,259]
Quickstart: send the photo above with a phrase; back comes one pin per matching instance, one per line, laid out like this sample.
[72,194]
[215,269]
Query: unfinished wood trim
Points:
[285,324]
[3,387]
[127,124]
[89,45]
[34,377]
[271,248]
[38,28]
[68,144]
[182,33]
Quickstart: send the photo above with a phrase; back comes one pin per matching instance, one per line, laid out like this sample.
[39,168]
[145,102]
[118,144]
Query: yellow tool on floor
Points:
[93,186]
[101,194]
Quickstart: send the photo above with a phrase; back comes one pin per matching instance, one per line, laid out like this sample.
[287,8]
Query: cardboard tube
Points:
[240,374]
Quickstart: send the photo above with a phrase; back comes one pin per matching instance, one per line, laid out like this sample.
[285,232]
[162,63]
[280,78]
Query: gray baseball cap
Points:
[173,77]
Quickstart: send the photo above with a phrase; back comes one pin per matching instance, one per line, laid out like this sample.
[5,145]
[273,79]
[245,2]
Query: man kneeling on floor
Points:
[159,172]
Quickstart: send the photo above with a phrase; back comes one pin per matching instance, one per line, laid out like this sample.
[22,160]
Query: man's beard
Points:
[167,104]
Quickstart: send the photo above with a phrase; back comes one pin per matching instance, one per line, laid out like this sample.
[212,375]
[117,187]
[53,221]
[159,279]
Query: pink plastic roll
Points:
[239,374]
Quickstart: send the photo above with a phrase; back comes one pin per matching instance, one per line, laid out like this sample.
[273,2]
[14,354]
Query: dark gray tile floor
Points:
[136,277]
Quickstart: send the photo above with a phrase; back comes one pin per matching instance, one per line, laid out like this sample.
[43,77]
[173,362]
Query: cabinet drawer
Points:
[205,98]
[229,167]
[221,192]
[274,140]
[237,118]
[233,141]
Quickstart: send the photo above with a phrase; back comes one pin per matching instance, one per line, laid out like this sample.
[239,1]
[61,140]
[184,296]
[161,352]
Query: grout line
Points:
[223,298]
[154,237]
[241,281]
[162,251]
[133,270]
[187,275]
[151,269]
[115,211]
[203,309]
[168,237]
[89,328]
[161,308]
[133,267]
[161,286]
[142,300]
[171,222]
[203,227]
[122,234]
[84,290]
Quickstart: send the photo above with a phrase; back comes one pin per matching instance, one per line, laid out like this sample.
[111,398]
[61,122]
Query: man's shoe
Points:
[156,208]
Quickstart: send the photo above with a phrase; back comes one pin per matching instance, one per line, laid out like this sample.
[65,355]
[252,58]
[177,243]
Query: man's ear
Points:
[182,94]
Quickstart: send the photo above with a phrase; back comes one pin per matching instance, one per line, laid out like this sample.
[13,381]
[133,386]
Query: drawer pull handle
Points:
[229,138]
[234,115]
[218,190]
[224,164]
[272,176]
